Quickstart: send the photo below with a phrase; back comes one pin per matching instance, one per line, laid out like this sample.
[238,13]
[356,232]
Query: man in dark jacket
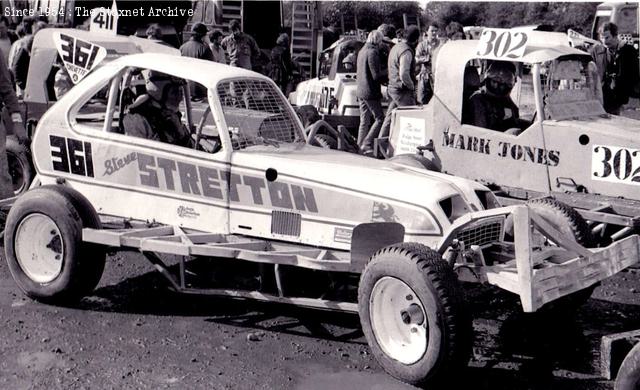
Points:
[402,79]
[281,68]
[9,100]
[617,65]
[241,47]
[370,76]
[195,47]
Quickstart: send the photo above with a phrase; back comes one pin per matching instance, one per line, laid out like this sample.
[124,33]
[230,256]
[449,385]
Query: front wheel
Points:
[412,314]
[44,248]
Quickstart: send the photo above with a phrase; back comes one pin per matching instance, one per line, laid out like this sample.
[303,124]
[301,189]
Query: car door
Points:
[103,151]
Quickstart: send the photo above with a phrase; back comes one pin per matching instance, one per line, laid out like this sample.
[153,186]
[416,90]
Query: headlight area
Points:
[488,199]
[454,207]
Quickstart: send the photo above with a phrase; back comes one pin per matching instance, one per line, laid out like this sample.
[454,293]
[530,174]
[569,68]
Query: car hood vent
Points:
[285,223]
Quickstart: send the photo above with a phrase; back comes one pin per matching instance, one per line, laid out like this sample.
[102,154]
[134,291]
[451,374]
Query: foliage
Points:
[560,16]
[369,14]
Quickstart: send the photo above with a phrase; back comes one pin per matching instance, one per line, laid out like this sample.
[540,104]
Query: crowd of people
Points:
[405,64]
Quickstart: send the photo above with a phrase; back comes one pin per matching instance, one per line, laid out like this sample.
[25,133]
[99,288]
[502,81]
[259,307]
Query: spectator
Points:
[491,106]
[216,48]
[402,81]
[14,46]
[617,65]
[330,34]
[10,102]
[240,47]
[388,33]
[196,48]
[425,57]
[6,37]
[370,77]
[280,68]
[454,31]
[154,32]
[22,54]
[62,82]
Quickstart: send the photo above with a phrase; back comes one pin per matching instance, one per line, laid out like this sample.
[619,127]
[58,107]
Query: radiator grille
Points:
[285,223]
[482,234]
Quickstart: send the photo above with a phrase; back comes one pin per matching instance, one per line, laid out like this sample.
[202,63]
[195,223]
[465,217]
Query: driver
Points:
[155,114]
[491,106]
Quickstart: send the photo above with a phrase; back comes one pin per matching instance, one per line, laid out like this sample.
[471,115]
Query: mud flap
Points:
[367,238]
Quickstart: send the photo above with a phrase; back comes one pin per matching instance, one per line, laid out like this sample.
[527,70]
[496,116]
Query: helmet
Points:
[502,72]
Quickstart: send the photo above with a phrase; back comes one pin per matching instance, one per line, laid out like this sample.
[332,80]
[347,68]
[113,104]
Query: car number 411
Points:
[615,164]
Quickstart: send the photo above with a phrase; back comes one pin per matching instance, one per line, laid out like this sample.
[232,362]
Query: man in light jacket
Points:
[402,80]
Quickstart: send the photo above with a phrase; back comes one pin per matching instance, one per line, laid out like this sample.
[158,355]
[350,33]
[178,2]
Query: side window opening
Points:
[497,95]
[145,103]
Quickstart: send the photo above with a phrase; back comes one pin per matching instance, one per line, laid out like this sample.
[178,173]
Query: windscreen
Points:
[571,89]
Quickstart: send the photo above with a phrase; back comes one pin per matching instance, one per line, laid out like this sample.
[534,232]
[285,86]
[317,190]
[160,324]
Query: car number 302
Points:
[615,164]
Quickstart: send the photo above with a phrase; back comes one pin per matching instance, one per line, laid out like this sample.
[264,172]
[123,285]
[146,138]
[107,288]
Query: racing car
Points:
[315,227]
[333,92]
[39,92]
[569,148]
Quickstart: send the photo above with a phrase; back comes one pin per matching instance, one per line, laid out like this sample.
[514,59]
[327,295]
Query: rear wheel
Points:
[20,168]
[412,314]
[44,248]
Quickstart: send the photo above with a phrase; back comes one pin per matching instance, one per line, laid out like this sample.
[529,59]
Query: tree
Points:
[368,14]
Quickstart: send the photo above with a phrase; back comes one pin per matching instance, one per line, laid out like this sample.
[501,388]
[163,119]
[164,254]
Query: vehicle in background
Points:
[333,92]
[567,147]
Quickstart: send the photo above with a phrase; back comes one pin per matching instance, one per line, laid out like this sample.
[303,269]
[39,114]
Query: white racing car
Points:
[244,185]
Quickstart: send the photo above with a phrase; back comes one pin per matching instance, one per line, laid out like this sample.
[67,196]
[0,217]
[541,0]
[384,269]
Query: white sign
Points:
[411,135]
[79,57]
[615,164]
[502,44]
[104,20]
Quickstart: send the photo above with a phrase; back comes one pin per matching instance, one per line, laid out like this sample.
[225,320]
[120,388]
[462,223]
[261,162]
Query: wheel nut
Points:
[53,232]
[406,317]
[409,297]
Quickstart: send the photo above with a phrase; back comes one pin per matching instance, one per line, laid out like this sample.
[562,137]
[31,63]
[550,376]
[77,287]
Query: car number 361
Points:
[615,164]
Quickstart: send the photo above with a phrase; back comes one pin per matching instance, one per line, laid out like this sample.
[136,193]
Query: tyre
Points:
[44,248]
[564,218]
[568,221]
[413,314]
[20,168]
[415,161]
[325,141]
[628,377]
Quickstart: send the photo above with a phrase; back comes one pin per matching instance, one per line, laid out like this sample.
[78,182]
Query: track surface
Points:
[132,333]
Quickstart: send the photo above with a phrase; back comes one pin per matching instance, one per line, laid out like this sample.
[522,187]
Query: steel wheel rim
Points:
[401,338]
[39,248]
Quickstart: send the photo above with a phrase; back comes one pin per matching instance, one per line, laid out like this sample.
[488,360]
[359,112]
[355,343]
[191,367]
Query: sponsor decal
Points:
[503,149]
[71,156]
[115,164]
[615,164]
[191,179]
[412,134]
[79,57]
[383,212]
[187,212]
[342,235]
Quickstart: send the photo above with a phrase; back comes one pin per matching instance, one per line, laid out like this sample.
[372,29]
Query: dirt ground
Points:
[133,333]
